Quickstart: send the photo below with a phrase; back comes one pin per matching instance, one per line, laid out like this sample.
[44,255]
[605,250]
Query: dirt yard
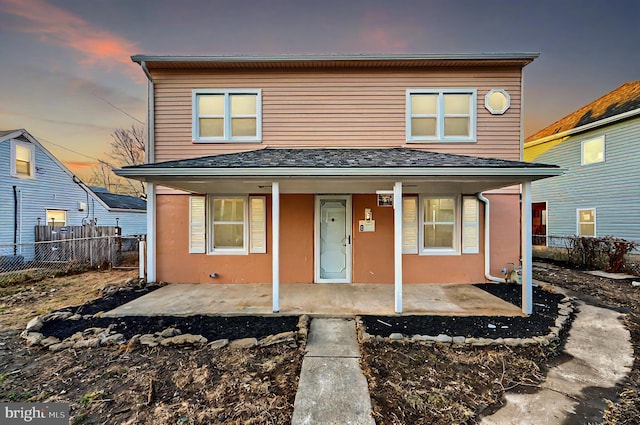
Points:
[409,384]
[140,385]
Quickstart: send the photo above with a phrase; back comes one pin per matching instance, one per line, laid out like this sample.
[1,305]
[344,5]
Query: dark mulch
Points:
[545,310]
[113,299]
[211,327]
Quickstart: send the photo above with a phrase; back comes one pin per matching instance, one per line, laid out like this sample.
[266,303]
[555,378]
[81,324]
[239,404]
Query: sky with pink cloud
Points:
[67,77]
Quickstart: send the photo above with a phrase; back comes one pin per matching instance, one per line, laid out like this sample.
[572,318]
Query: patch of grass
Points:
[77,420]
[91,397]
[16,395]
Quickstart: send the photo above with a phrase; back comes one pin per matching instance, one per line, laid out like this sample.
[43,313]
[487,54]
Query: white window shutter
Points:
[258,225]
[470,225]
[197,224]
[410,225]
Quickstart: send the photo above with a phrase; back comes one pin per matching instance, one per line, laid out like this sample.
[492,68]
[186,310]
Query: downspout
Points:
[15,220]
[487,241]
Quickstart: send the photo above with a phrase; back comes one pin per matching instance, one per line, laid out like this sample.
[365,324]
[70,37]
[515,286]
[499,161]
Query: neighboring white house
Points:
[36,188]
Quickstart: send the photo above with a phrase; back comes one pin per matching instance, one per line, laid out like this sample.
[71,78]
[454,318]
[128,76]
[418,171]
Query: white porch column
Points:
[397,244]
[151,232]
[275,245]
[525,205]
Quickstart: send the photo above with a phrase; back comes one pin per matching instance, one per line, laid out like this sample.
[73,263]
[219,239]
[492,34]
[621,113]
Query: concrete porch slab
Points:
[333,300]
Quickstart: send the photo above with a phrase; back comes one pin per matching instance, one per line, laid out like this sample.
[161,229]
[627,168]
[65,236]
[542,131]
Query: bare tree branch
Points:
[127,148]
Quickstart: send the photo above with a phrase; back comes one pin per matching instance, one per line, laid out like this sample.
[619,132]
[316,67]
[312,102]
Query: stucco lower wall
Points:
[505,231]
[176,265]
[372,251]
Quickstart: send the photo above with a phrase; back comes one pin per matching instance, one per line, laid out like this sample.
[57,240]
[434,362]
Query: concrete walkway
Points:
[332,388]
[597,356]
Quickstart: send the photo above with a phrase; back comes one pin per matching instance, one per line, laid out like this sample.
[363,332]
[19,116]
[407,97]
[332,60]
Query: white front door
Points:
[333,239]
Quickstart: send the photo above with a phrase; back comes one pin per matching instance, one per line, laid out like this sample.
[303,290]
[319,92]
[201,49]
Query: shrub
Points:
[606,253]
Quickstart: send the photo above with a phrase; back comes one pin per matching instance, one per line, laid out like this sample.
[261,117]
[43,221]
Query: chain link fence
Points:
[36,261]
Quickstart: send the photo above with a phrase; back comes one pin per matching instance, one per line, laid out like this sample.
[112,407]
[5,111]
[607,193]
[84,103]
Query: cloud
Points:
[56,26]
[33,117]
[381,32]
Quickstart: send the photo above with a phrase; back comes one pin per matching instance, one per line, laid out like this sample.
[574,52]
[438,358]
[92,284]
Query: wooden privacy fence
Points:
[93,244]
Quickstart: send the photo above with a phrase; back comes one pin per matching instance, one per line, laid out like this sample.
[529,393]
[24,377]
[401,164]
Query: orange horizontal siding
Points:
[347,108]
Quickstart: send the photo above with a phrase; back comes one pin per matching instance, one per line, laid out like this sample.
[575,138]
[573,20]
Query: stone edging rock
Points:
[100,337]
[566,308]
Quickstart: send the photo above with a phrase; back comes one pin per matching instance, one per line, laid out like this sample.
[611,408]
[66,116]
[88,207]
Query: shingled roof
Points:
[339,158]
[623,99]
[116,200]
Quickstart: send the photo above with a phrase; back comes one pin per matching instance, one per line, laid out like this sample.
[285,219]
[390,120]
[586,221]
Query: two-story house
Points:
[391,169]
[37,189]
[599,146]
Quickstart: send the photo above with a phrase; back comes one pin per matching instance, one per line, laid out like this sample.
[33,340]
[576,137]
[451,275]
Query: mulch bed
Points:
[211,327]
[545,311]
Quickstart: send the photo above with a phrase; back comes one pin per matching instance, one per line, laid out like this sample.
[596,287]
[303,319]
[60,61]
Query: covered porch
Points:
[320,299]
[279,174]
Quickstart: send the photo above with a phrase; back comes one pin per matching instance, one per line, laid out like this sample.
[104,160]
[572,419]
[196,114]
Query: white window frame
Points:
[487,103]
[32,161]
[439,137]
[578,222]
[456,226]
[195,122]
[211,250]
[604,148]
[48,222]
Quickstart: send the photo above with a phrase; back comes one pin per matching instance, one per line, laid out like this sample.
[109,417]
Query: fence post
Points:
[141,257]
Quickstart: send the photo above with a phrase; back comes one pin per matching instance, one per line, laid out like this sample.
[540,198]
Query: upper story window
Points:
[227,115]
[446,115]
[22,159]
[497,101]
[593,150]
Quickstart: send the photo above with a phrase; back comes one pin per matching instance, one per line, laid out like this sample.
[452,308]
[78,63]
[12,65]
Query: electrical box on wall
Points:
[82,206]
[367,225]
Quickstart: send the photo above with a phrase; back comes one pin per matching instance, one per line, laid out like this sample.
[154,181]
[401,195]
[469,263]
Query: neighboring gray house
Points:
[599,146]
[35,187]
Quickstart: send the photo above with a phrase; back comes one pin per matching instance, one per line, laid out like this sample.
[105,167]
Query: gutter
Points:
[141,58]
[582,128]
[487,242]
